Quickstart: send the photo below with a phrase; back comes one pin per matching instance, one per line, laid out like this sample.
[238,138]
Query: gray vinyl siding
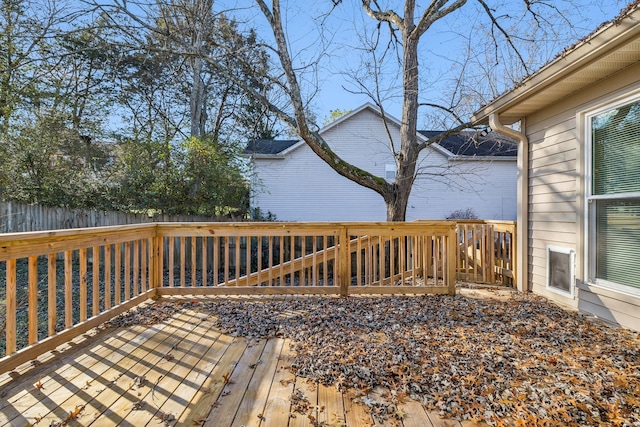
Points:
[552,194]
[556,157]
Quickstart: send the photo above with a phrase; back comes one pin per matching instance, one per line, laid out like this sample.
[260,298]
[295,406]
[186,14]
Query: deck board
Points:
[330,406]
[60,384]
[184,362]
[277,408]
[355,414]
[414,415]
[110,403]
[310,392]
[214,347]
[251,409]
[207,396]
[161,381]
[236,383]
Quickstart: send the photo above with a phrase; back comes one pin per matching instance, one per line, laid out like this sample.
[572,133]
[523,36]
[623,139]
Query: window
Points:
[613,197]
[390,172]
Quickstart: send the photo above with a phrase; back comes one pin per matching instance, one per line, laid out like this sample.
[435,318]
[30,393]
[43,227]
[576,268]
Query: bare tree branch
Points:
[434,13]
[448,110]
[386,16]
[299,122]
[506,35]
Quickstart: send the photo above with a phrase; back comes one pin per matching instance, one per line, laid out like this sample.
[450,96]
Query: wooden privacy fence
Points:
[59,284]
[20,217]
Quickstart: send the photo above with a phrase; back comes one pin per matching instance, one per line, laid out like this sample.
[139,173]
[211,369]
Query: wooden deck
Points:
[182,371]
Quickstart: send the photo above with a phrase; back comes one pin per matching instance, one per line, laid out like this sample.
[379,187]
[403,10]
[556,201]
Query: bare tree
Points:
[510,29]
[293,76]
[406,31]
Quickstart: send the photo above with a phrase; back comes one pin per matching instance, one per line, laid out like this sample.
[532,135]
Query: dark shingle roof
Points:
[473,144]
[268,146]
[467,143]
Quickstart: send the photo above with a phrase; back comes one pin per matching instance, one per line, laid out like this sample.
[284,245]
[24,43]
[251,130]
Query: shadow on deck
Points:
[185,371]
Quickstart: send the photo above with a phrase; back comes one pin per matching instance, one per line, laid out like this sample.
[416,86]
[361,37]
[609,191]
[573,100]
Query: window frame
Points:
[390,167]
[589,198]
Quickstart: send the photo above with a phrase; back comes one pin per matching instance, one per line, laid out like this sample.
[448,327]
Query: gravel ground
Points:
[517,360]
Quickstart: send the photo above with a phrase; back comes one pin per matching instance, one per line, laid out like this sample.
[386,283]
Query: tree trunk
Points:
[397,203]
[197,101]
[407,157]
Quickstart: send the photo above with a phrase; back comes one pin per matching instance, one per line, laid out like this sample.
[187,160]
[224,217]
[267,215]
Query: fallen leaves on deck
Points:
[149,314]
[523,361]
[480,359]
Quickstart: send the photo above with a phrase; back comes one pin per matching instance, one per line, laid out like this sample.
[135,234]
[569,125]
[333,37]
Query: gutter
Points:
[522,225]
[482,158]
[266,156]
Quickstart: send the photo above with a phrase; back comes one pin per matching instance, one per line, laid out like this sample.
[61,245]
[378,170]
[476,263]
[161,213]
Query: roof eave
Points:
[267,156]
[484,158]
[613,35]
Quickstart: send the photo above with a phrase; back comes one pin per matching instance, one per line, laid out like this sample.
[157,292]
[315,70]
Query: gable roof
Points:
[474,144]
[268,146]
[611,48]
[468,144]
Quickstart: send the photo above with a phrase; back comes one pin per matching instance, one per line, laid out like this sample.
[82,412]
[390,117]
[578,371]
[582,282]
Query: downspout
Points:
[522,235]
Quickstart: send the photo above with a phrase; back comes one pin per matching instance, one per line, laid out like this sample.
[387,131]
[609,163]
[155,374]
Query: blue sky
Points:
[338,46]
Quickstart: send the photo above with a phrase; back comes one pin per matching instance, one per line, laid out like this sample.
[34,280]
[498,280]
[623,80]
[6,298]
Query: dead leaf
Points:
[139,381]
[226,378]
[75,413]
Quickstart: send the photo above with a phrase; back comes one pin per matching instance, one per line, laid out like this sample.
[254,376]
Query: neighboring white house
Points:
[467,171]
[579,197]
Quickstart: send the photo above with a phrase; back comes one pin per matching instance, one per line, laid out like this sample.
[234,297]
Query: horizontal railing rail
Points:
[60,284]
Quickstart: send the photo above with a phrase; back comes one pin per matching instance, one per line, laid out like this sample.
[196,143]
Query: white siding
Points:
[303,188]
[489,188]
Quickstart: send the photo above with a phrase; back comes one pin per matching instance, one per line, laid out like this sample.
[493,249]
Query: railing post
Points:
[343,262]
[514,256]
[11,292]
[452,245]
[155,278]
[491,256]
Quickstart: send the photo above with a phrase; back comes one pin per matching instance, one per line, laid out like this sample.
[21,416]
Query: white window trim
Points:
[589,214]
[572,273]
[390,167]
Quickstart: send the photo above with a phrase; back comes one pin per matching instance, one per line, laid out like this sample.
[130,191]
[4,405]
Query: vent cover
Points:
[560,270]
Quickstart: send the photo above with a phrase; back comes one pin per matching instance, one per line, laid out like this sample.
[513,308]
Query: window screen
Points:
[618,241]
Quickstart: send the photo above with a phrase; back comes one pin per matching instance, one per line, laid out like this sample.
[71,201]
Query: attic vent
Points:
[560,270]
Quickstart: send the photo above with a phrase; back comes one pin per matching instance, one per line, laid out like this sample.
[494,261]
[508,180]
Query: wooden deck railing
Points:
[487,251]
[60,284]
